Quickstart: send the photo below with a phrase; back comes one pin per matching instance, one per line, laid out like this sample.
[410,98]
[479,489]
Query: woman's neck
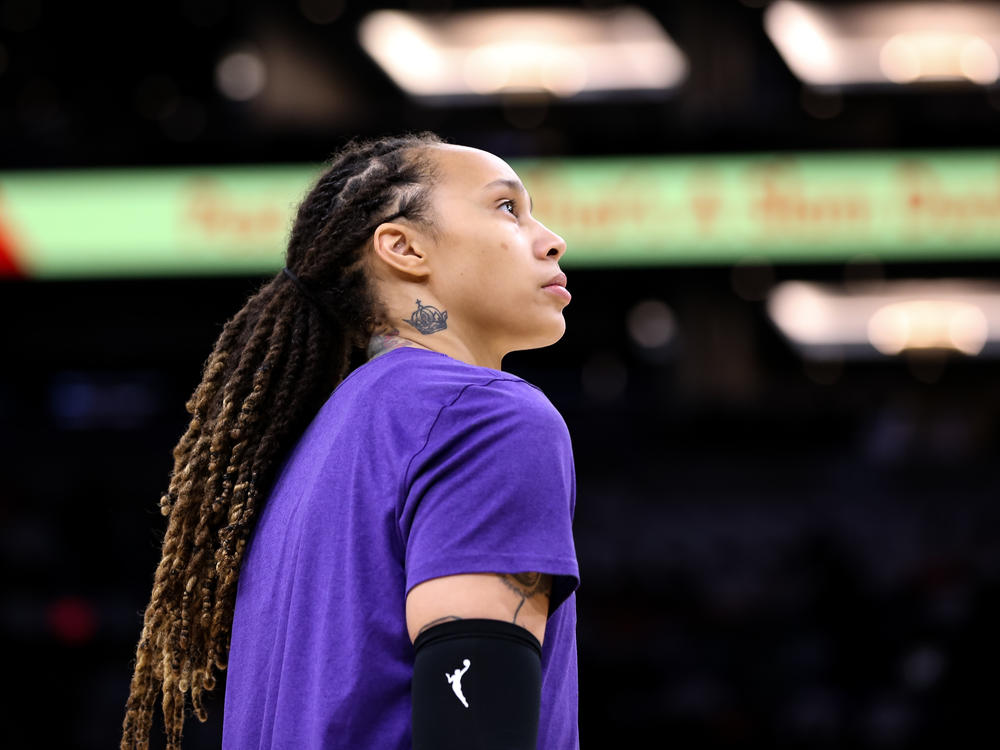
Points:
[386,339]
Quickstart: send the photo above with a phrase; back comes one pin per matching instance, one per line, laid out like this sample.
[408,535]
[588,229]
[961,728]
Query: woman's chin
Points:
[548,335]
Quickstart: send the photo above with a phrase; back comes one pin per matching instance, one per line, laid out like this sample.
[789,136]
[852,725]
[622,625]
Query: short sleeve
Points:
[492,490]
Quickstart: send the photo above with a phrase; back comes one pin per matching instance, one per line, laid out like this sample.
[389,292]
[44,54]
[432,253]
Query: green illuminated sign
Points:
[612,212]
[155,222]
[796,208]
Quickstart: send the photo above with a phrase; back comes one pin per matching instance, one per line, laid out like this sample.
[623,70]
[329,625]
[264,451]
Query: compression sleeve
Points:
[476,684]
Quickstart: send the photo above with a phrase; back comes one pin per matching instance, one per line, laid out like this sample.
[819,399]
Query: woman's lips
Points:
[559,290]
[557,285]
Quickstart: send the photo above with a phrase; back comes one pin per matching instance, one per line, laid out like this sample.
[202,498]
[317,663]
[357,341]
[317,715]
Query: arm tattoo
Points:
[428,319]
[384,341]
[527,585]
[438,621]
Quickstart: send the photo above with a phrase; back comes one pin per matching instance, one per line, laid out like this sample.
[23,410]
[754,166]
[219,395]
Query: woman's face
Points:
[495,268]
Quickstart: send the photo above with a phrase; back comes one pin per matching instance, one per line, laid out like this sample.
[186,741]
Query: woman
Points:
[390,564]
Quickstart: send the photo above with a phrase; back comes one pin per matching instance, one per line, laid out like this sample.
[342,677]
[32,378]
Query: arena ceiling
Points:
[136,84]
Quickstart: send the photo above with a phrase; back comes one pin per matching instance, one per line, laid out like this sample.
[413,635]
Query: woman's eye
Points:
[510,206]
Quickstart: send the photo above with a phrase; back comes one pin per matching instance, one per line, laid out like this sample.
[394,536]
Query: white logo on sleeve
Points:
[456,680]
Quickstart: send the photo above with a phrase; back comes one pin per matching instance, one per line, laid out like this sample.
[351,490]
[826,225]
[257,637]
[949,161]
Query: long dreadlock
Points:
[274,364]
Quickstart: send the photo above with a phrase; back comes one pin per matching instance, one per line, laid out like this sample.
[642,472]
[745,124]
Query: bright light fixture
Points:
[563,51]
[887,43]
[827,321]
[928,324]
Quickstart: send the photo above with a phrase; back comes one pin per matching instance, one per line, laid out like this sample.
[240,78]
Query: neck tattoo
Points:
[384,341]
[428,319]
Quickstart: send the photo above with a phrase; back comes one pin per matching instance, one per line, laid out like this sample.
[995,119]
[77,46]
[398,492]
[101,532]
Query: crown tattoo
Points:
[427,319]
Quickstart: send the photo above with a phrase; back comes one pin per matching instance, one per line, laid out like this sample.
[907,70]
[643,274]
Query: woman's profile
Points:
[363,500]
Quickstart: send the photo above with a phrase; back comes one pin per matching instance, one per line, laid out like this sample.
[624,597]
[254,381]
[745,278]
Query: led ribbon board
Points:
[147,222]
[801,208]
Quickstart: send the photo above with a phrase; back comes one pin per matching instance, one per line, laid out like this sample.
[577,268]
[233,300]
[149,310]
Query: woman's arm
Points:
[490,625]
[519,598]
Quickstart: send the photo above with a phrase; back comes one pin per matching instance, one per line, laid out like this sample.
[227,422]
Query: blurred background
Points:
[779,373]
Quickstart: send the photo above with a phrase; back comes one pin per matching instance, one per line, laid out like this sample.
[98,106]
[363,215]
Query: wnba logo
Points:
[456,681]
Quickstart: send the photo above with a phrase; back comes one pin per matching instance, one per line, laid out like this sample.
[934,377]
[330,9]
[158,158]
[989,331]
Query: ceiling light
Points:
[887,43]
[651,324]
[928,324]
[241,75]
[827,321]
[565,52]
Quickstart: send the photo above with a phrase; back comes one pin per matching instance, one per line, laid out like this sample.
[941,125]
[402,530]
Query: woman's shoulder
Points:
[420,376]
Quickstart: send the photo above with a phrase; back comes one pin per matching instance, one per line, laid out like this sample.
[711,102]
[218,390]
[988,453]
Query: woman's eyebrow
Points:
[512,185]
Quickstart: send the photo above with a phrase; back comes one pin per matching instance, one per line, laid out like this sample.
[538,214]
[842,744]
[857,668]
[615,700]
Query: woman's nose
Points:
[552,244]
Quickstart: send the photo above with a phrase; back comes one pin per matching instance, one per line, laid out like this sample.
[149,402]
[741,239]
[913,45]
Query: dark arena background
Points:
[780,373]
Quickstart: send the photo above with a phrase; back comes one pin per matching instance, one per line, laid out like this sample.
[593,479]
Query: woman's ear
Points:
[401,249]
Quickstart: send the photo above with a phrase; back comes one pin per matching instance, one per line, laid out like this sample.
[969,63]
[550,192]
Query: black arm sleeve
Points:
[477,685]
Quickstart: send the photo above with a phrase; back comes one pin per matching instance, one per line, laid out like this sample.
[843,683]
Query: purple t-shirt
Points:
[418,466]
